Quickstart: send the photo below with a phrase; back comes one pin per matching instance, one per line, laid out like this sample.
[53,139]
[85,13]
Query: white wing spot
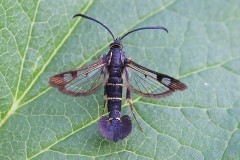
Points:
[167,81]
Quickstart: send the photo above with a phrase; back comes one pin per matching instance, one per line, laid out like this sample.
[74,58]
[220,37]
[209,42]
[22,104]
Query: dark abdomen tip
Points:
[115,129]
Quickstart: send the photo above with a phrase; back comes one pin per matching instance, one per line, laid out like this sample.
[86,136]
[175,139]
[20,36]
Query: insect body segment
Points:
[115,127]
[110,71]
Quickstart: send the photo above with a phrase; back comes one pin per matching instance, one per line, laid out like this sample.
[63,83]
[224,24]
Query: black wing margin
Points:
[150,83]
[82,81]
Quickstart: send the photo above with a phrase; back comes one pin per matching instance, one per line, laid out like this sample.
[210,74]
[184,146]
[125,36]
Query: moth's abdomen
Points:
[115,72]
[114,96]
[115,129]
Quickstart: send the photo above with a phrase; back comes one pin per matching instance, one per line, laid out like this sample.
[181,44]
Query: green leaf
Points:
[39,39]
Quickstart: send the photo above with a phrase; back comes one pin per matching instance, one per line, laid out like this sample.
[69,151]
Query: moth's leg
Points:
[129,100]
[105,100]
[106,75]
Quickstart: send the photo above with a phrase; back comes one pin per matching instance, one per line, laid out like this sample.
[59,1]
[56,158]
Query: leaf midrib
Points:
[16,102]
[25,52]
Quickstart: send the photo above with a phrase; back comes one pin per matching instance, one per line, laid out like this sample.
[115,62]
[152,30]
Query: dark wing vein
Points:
[86,85]
[81,81]
[150,83]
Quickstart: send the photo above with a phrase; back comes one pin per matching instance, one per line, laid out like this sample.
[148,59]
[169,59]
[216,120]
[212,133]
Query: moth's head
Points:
[117,43]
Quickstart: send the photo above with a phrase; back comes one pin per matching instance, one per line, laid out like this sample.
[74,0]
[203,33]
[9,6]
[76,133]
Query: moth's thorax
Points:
[116,57]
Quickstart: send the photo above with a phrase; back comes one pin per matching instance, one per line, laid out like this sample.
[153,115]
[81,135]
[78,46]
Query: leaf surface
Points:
[40,38]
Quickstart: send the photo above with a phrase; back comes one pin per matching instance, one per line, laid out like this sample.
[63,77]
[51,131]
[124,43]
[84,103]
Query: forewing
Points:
[82,81]
[150,83]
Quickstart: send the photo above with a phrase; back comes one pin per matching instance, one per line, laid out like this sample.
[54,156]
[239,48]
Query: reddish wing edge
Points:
[71,79]
[171,84]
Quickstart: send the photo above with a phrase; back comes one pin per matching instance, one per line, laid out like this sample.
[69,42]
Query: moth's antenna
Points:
[157,27]
[82,15]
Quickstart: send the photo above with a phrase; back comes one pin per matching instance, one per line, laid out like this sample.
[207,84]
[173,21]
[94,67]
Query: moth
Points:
[111,71]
